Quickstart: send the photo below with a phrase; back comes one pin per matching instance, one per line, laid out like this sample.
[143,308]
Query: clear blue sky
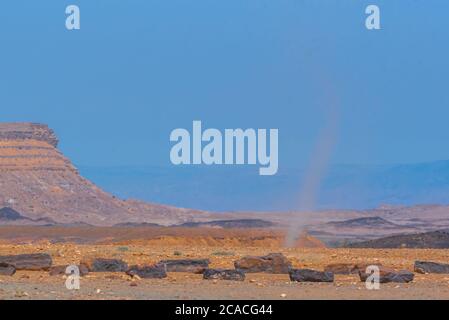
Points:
[114,90]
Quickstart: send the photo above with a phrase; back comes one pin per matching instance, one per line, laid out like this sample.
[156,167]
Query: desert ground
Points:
[149,245]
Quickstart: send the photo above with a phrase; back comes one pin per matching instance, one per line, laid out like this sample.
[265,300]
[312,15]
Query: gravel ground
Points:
[40,285]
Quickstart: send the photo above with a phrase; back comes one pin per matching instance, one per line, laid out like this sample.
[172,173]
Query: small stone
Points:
[283,295]
[222,274]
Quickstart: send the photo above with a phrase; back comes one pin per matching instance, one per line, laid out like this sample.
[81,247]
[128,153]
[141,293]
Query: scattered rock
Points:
[157,271]
[61,270]
[389,275]
[186,265]
[33,262]
[271,263]
[104,265]
[308,275]
[7,269]
[431,267]
[133,284]
[223,274]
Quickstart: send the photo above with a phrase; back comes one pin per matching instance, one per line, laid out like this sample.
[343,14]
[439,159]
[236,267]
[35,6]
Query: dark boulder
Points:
[104,265]
[223,274]
[389,275]
[271,263]
[308,275]
[7,269]
[186,265]
[156,271]
[431,267]
[33,262]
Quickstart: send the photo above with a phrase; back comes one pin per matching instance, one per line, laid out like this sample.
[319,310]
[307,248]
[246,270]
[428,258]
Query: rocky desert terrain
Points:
[222,248]
[51,217]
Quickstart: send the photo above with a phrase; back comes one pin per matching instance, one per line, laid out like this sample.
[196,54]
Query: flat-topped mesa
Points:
[42,186]
[28,131]
[30,146]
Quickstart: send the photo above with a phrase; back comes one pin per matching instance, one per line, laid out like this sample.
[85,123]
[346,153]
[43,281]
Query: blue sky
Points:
[115,89]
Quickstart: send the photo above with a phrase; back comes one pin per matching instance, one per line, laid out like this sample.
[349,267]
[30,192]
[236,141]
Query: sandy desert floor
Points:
[40,285]
[68,245]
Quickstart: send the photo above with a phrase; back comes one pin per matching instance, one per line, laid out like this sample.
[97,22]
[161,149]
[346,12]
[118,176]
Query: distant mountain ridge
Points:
[364,222]
[239,188]
[434,239]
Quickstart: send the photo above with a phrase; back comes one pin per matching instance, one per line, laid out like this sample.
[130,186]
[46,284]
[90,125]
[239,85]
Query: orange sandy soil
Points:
[39,285]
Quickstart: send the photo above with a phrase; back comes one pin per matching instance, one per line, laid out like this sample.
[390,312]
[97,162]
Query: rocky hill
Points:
[434,239]
[41,184]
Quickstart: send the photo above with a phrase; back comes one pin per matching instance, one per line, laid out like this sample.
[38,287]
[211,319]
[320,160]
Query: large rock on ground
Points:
[348,268]
[308,275]
[7,269]
[271,263]
[431,267]
[186,265]
[61,270]
[389,275]
[104,265]
[156,271]
[223,274]
[33,262]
